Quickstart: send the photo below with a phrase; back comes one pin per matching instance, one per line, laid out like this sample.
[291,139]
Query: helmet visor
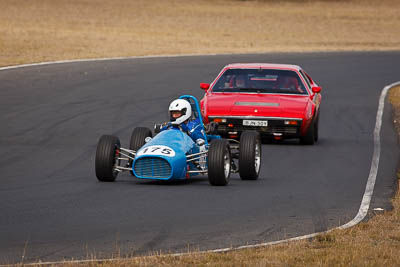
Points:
[176,114]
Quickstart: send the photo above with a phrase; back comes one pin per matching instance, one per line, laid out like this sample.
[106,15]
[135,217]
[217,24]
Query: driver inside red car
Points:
[288,82]
[240,81]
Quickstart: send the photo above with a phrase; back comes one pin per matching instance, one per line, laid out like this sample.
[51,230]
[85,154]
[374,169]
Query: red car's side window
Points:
[306,78]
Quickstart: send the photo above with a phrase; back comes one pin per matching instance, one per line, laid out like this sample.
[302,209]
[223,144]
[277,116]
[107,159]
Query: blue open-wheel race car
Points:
[172,154]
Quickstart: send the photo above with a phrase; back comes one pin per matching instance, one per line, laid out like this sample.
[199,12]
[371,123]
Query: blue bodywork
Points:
[165,156]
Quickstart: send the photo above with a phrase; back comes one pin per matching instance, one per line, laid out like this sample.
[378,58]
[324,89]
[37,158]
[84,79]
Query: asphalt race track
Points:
[51,117]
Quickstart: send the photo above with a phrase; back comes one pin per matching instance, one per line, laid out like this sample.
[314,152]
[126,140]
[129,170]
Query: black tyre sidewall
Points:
[309,138]
[105,158]
[216,162]
[316,127]
[247,152]
[138,137]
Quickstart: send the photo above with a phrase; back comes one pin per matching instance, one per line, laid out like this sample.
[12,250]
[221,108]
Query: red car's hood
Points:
[290,106]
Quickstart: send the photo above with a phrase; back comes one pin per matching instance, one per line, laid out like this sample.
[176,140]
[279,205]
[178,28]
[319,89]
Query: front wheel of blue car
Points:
[219,162]
[107,154]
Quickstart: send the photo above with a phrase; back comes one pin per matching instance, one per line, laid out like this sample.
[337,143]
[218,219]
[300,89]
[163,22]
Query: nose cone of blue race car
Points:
[164,157]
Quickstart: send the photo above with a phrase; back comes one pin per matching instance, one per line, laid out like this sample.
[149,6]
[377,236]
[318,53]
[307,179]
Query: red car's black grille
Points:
[267,130]
[274,126]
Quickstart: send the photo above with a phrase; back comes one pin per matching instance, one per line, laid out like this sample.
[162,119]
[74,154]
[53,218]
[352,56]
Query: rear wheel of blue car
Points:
[219,162]
[249,155]
[138,139]
[107,154]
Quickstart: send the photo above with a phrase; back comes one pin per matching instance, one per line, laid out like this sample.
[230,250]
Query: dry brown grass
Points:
[44,30]
[394,97]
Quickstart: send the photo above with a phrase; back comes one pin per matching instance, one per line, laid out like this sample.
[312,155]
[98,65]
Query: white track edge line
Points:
[99,59]
[122,58]
[366,200]
[171,56]
[362,212]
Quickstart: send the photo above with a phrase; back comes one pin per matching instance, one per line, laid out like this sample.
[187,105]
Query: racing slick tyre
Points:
[138,138]
[309,137]
[219,162]
[249,155]
[106,158]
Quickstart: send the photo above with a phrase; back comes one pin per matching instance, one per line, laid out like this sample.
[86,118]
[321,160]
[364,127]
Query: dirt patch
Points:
[45,30]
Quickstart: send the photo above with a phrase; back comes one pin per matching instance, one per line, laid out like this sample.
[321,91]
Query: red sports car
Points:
[277,100]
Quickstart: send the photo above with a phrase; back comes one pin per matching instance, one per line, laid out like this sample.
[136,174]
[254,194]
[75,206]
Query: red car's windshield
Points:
[260,81]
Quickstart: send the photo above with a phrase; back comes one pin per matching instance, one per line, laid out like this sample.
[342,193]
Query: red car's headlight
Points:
[290,122]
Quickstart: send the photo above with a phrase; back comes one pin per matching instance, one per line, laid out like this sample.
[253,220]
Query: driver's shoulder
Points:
[196,120]
[193,123]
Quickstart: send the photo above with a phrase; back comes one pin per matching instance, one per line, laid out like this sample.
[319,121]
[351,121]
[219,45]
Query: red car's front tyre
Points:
[312,133]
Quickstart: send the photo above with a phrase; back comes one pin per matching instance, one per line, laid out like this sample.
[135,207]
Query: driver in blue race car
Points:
[180,112]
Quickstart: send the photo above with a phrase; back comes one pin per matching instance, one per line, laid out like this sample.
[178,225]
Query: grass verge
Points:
[48,30]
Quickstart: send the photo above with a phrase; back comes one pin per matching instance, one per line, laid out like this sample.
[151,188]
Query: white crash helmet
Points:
[184,107]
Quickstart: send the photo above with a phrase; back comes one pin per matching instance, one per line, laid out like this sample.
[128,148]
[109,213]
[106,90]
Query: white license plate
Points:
[255,123]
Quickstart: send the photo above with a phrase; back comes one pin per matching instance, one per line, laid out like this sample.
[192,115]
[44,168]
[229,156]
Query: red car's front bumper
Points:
[276,127]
